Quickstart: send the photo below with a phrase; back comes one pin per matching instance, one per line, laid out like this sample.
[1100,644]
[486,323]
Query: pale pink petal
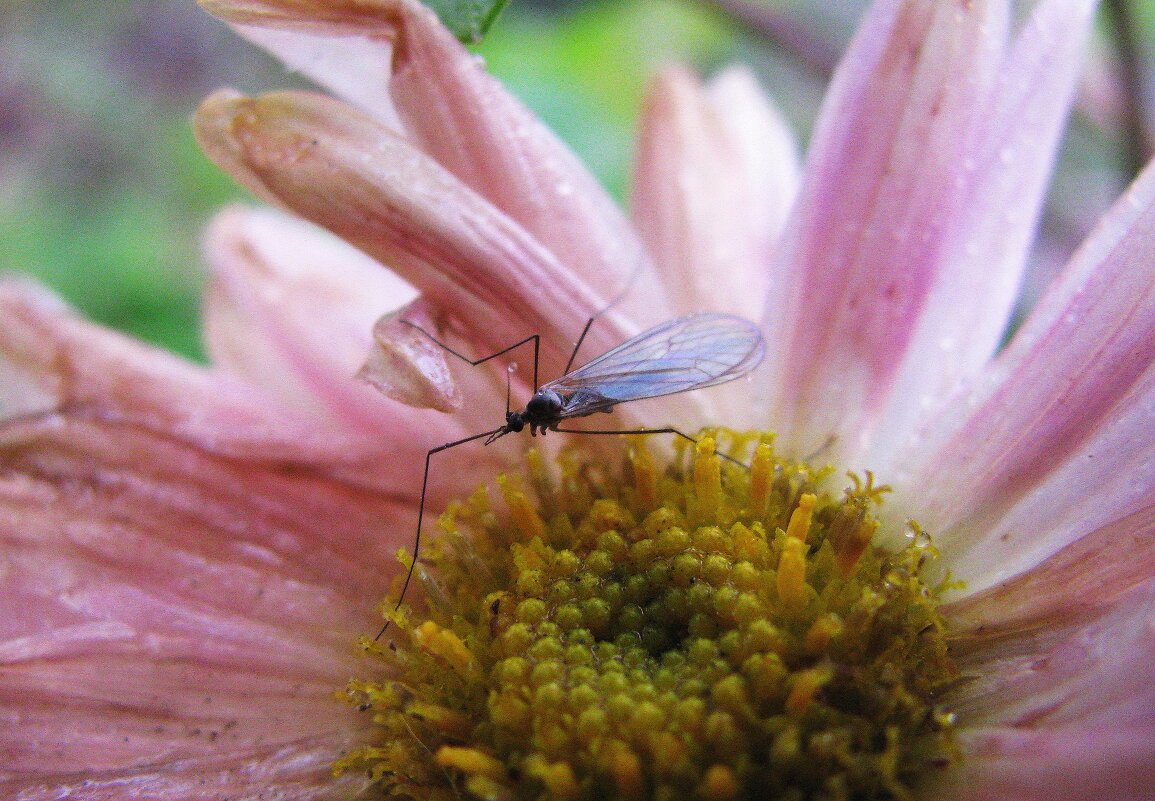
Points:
[1007,167]
[291,309]
[1077,763]
[62,361]
[462,117]
[1088,574]
[1056,442]
[352,64]
[767,141]
[408,366]
[185,615]
[347,48]
[1067,705]
[716,171]
[1084,666]
[23,389]
[76,365]
[883,186]
[336,167]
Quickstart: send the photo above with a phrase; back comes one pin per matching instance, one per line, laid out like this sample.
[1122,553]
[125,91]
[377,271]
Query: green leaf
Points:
[468,19]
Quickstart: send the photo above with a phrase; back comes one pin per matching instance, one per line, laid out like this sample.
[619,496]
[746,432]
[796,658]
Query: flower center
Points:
[707,630]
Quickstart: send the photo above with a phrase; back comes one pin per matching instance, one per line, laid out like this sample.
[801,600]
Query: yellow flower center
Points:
[703,630]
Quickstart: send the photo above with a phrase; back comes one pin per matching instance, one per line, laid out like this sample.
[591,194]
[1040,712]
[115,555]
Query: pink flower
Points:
[190,552]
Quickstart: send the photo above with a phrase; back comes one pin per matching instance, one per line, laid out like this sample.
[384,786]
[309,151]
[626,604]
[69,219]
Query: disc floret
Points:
[702,630]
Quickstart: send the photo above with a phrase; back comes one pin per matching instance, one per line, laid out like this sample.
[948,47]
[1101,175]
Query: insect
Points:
[686,353]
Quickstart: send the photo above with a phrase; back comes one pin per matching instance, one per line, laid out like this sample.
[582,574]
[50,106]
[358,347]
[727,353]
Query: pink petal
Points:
[468,123]
[341,169]
[1099,763]
[345,59]
[1008,168]
[879,190]
[1065,709]
[62,361]
[897,189]
[1088,574]
[291,308]
[766,140]
[1081,666]
[76,365]
[408,366]
[1056,442]
[23,389]
[715,174]
[179,618]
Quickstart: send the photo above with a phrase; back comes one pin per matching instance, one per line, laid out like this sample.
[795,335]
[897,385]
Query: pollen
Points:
[717,625]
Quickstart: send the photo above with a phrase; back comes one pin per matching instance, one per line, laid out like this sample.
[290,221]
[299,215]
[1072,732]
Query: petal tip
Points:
[407,366]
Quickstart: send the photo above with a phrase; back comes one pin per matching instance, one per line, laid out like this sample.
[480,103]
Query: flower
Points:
[189,551]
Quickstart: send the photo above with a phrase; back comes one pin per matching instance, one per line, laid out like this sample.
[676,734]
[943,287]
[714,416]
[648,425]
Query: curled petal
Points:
[406,365]
[465,120]
[345,171]
[716,172]
[510,158]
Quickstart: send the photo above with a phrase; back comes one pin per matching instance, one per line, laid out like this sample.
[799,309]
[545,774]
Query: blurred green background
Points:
[103,193]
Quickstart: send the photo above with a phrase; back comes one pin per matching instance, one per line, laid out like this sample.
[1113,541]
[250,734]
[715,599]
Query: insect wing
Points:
[691,352]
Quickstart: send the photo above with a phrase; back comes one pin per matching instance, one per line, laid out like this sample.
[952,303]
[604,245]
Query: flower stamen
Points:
[702,631]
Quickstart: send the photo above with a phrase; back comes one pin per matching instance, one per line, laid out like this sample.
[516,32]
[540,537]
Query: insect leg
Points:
[621,294]
[534,338]
[421,515]
[581,339]
[651,431]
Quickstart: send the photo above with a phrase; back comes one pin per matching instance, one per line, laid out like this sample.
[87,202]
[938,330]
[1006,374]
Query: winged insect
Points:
[683,354]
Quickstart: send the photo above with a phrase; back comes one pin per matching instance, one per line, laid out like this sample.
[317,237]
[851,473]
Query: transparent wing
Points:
[691,352]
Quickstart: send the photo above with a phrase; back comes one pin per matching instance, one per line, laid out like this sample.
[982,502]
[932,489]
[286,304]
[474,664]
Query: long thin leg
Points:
[581,339]
[421,515]
[535,338]
[599,313]
[649,431]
